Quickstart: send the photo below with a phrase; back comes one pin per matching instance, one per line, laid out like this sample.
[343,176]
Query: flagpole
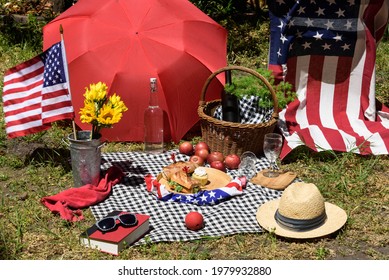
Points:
[67,77]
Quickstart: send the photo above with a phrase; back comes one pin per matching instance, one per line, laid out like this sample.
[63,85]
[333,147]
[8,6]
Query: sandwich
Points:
[184,183]
[178,176]
[178,166]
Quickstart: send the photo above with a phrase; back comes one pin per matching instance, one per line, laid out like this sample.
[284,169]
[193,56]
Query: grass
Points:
[35,166]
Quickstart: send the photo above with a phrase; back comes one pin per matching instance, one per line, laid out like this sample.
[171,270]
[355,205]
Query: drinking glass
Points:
[247,165]
[272,148]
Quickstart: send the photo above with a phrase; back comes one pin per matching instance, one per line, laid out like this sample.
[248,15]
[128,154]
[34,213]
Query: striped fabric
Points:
[35,93]
[327,50]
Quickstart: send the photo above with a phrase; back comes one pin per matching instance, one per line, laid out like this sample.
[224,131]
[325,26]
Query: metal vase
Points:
[85,155]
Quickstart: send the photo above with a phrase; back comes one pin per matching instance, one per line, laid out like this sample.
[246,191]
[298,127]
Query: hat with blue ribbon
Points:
[301,213]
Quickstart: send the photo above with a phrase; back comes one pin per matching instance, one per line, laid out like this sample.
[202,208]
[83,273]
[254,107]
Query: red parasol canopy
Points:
[126,42]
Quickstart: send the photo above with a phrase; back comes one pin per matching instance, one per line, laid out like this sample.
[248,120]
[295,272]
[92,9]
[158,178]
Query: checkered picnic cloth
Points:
[250,111]
[235,215]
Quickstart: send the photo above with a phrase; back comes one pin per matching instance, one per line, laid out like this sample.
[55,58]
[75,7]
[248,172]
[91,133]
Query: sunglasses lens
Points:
[106,224]
[128,219]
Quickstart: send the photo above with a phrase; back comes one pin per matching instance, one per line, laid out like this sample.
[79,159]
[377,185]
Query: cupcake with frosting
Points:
[200,174]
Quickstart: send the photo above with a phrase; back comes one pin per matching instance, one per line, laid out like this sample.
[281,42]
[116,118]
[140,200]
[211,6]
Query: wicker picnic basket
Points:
[231,137]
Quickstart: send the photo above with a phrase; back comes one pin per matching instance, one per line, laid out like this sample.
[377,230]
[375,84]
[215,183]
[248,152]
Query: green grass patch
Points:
[36,166]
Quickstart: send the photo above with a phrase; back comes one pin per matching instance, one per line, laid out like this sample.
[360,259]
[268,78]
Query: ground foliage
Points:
[38,165]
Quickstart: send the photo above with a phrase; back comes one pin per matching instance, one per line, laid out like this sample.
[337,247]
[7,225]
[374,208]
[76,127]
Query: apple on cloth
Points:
[197,160]
[203,153]
[217,164]
[194,221]
[232,161]
[186,148]
[201,145]
[215,156]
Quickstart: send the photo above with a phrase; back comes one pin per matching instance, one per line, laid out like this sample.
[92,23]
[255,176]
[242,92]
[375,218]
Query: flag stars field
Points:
[330,65]
[35,93]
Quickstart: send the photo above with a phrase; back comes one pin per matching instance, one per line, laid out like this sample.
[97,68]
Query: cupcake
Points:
[200,174]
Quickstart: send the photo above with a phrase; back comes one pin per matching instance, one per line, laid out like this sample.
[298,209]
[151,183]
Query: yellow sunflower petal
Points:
[108,116]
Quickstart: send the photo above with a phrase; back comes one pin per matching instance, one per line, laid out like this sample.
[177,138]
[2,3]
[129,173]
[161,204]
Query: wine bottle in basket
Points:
[153,122]
[230,103]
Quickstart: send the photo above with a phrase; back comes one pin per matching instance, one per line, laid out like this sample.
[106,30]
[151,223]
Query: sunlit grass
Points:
[359,184]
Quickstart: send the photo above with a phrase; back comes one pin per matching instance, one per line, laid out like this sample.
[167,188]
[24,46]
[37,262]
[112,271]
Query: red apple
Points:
[197,160]
[232,161]
[203,153]
[186,148]
[201,145]
[215,156]
[194,220]
[217,164]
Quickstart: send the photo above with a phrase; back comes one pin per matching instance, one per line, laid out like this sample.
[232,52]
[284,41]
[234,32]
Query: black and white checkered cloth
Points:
[250,111]
[236,215]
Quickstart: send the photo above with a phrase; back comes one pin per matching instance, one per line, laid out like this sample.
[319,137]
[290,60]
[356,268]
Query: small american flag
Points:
[203,197]
[36,94]
[327,50]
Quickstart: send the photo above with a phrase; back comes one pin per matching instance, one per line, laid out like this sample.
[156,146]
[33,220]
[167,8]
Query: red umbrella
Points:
[126,42]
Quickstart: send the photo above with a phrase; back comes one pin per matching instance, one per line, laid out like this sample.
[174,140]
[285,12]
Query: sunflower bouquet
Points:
[101,110]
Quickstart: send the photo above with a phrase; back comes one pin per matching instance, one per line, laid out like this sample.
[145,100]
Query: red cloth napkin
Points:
[68,203]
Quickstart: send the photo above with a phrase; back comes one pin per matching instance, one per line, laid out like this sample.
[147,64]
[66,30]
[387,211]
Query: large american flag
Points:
[35,93]
[327,50]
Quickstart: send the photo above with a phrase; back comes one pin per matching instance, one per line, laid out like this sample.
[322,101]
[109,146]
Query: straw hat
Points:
[301,213]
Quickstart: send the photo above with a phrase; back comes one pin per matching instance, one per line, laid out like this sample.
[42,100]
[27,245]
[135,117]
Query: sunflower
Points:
[99,110]
[88,113]
[109,115]
[96,92]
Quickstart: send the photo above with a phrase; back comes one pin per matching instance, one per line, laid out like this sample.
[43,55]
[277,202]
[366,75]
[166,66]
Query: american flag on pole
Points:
[35,93]
[327,50]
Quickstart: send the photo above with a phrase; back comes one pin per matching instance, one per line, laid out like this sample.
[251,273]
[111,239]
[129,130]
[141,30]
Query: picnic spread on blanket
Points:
[321,57]
[233,213]
[236,206]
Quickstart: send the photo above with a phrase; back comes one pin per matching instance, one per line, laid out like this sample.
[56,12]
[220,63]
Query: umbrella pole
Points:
[67,77]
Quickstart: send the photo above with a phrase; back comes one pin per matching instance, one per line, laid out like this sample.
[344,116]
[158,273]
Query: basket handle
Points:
[244,69]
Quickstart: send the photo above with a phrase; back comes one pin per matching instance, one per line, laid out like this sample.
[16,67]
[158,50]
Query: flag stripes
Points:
[35,93]
[327,50]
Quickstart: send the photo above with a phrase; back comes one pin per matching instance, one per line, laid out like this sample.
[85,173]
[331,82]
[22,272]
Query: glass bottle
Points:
[230,103]
[153,122]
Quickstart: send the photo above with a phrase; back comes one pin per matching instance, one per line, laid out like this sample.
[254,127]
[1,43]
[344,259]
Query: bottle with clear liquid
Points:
[153,122]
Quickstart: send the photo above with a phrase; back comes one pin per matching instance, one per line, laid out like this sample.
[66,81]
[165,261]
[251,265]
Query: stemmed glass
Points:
[272,147]
[247,165]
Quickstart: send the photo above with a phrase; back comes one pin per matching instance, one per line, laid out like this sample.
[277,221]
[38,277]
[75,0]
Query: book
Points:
[117,239]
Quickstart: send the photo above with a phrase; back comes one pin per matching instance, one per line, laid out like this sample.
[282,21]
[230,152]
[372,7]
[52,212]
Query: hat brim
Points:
[336,218]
